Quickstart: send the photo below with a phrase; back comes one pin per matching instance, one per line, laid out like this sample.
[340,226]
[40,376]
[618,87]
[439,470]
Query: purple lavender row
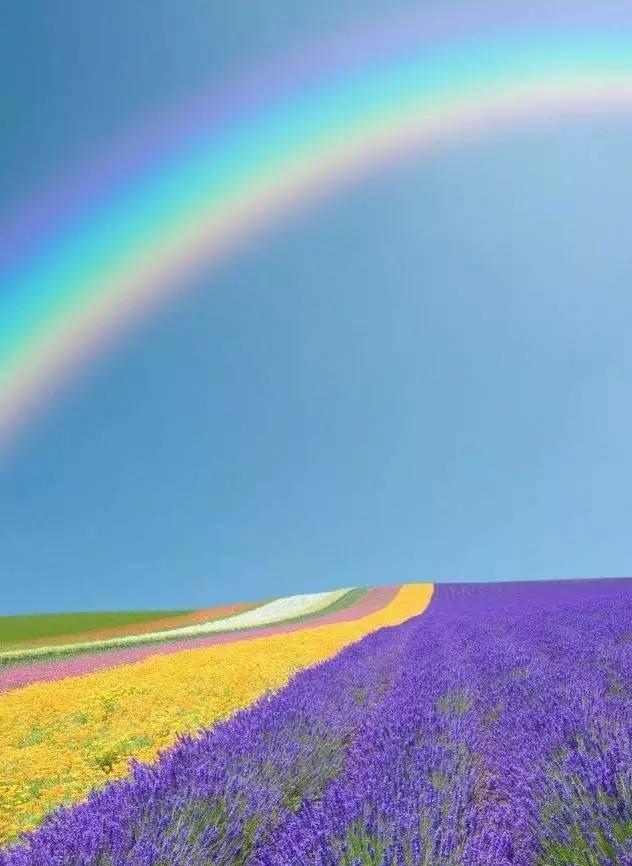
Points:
[505,742]
[214,798]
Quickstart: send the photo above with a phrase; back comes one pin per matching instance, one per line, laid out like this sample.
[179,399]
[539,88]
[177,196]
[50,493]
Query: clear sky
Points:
[426,377]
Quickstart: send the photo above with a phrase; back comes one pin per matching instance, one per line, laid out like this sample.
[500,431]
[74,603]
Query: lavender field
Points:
[493,729]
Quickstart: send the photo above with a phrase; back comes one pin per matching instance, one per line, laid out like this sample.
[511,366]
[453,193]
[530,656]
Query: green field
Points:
[19,628]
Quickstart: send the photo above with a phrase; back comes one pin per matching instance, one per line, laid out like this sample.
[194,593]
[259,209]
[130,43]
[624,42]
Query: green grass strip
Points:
[27,627]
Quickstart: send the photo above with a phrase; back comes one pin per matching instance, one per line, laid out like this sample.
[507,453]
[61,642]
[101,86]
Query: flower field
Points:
[61,739]
[481,725]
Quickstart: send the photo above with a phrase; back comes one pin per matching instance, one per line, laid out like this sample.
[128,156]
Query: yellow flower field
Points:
[59,740]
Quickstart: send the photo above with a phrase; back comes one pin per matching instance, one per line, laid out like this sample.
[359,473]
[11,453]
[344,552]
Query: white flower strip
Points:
[267,614]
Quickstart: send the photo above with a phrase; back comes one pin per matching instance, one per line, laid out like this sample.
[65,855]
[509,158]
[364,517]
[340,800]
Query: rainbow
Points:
[109,245]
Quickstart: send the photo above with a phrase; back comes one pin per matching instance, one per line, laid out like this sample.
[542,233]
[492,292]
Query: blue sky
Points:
[425,377]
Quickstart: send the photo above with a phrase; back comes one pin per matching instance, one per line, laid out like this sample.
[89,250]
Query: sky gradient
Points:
[423,378]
